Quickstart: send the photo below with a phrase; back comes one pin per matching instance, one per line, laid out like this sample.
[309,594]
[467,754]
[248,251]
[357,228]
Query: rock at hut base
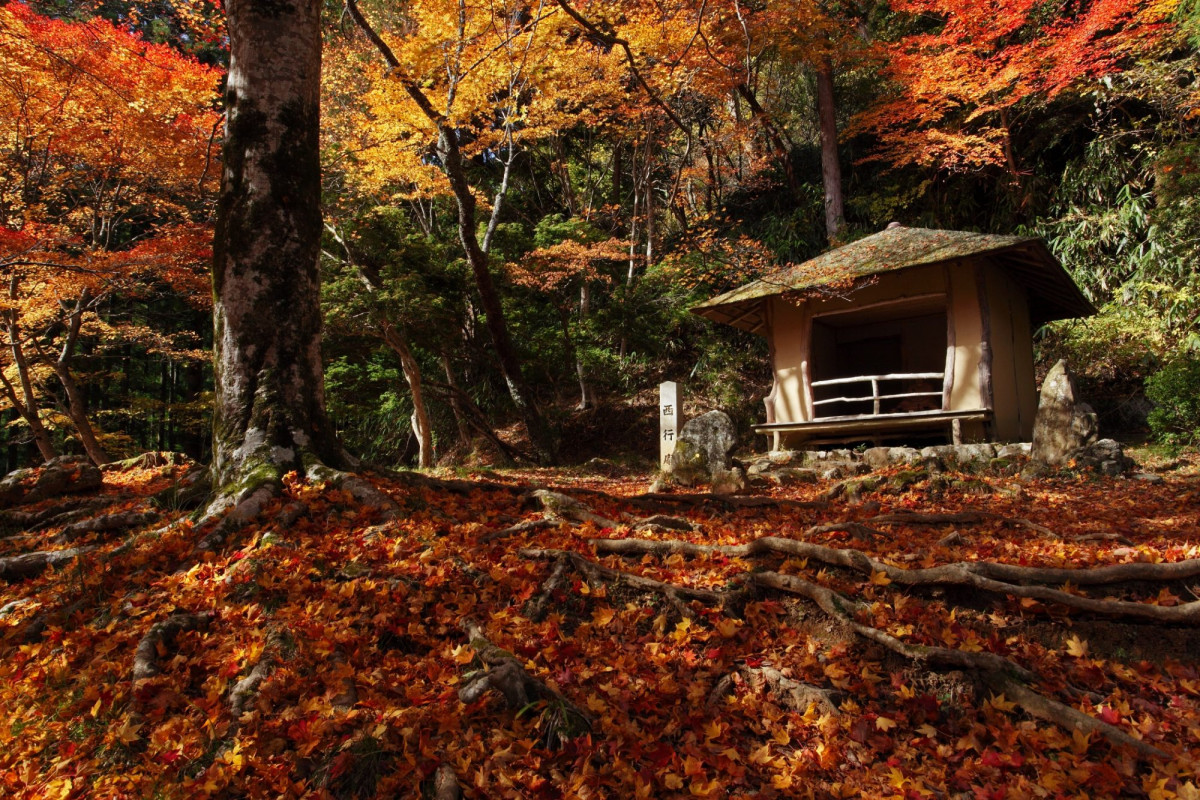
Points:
[1063,425]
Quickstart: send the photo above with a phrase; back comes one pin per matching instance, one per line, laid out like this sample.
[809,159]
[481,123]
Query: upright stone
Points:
[1063,425]
[701,455]
[668,421]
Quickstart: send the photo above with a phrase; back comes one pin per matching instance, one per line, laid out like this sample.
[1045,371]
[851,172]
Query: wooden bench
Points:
[832,429]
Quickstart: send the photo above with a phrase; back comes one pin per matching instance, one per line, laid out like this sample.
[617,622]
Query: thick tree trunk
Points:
[270,396]
[412,375]
[831,170]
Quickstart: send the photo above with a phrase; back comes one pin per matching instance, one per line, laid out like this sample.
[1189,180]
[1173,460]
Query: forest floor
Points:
[556,633]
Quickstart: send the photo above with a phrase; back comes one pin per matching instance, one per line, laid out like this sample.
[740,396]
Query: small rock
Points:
[1105,457]
[1015,450]
[973,456]
[729,481]
[791,476]
[780,457]
[1148,477]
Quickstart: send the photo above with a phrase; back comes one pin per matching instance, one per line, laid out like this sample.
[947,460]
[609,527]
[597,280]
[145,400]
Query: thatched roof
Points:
[1052,293]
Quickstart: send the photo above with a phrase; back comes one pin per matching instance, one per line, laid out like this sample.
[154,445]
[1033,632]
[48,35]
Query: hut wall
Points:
[1014,395]
[966,392]
[789,326]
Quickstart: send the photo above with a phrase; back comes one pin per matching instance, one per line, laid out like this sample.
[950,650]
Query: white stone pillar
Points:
[668,420]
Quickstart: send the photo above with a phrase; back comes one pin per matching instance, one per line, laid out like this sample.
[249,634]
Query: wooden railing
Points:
[875,397]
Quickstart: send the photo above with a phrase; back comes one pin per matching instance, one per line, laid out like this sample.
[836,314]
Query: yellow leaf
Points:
[596,704]
[673,781]
[1000,703]
[781,736]
[880,578]
[463,654]
[761,756]
[127,733]
[602,616]
[96,708]
[1077,647]
[884,723]
[728,628]
[60,788]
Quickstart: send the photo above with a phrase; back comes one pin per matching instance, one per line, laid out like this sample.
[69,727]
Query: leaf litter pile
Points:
[542,634]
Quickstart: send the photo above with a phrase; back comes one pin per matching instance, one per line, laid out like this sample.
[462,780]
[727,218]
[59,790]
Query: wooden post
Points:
[668,420]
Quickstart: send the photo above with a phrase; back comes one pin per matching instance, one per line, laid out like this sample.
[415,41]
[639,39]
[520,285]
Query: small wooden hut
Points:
[909,332]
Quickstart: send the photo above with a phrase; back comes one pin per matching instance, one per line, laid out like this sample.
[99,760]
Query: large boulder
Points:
[1063,424]
[701,455]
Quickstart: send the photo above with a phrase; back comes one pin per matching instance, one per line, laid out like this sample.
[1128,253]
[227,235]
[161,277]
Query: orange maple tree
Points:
[960,89]
[104,184]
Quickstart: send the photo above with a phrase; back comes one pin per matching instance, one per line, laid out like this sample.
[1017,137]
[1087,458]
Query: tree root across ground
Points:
[414,637]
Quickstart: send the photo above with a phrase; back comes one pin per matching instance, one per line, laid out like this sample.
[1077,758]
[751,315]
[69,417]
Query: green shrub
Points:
[1175,392]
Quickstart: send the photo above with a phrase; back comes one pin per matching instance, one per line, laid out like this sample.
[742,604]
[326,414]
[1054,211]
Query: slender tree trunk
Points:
[489,298]
[781,146]
[831,170]
[460,419]
[586,397]
[76,403]
[270,394]
[27,404]
[412,375]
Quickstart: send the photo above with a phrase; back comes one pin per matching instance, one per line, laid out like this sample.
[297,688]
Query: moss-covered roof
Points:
[1053,293]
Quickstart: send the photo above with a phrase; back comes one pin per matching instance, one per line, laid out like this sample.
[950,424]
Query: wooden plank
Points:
[875,424]
[896,376]
[972,414]
[881,397]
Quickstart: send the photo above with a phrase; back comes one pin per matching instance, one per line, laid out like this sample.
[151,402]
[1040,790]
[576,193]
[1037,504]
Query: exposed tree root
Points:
[60,513]
[27,565]
[664,522]
[519,528]
[599,574]
[230,518]
[995,669]
[969,574]
[560,506]
[788,692]
[537,608]
[161,636]
[970,517]
[1042,707]
[999,672]
[108,523]
[661,500]
[500,670]
[445,784]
